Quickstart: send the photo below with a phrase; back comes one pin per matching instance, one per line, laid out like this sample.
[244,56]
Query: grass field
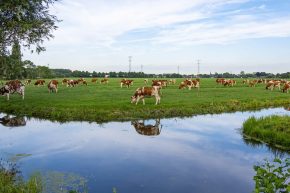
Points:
[100,103]
[273,130]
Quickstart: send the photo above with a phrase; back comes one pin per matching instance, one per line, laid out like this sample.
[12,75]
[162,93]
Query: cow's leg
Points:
[157,100]
[7,96]
[143,100]
[138,98]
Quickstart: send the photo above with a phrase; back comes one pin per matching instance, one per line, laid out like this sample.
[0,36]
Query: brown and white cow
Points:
[273,84]
[39,82]
[28,82]
[143,92]
[189,84]
[11,87]
[145,81]
[286,88]
[126,82]
[52,86]
[72,83]
[64,81]
[104,81]
[94,80]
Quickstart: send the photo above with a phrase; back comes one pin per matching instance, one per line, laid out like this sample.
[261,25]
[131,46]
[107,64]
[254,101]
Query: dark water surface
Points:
[200,154]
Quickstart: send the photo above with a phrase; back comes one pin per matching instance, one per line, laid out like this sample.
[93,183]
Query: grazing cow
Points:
[94,80]
[52,86]
[64,81]
[145,81]
[272,84]
[128,83]
[39,82]
[85,82]
[172,81]
[286,88]
[252,83]
[228,82]
[149,130]
[143,92]
[219,80]
[189,84]
[157,83]
[28,82]
[72,83]
[11,87]
[104,81]
[246,81]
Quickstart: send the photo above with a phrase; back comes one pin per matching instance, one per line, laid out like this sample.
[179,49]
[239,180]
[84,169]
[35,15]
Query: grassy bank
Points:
[273,130]
[97,102]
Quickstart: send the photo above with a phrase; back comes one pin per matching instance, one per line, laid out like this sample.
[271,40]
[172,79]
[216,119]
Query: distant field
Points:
[98,102]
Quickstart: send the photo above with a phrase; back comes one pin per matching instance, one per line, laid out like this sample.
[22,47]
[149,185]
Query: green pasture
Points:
[99,102]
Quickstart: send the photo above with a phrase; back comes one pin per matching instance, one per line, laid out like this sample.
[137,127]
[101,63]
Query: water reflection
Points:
[257,144]
[10,121]
[147,129]
[199,154]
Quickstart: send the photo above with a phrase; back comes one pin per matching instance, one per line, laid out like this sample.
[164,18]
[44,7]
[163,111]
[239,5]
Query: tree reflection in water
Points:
[9,121]
[149,130]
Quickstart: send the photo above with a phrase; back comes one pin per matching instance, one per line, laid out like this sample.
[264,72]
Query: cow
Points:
[149,130]
[143,92]
[94,80]
[247,81]
[85,82]
[189,84]
[252,83]
[228,82]
[52,86]
[286,88]
[145,81]
[64,81]
[272,84]
[172,81]
[11,87]
[27,82]
[104,81]
[72,83]
[219,80]
[39,82]
[126,82]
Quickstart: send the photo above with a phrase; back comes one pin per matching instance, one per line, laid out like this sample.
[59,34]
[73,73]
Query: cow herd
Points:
[270,84]
[16,86]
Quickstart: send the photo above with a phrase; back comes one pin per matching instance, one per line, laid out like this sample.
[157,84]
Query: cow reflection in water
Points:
[12,121]
[149,130]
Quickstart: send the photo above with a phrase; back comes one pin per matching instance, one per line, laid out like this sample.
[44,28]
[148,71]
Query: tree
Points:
[27,22]
[15,67]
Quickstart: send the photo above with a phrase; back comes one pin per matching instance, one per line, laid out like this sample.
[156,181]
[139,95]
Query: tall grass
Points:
[274,130]
[97,102]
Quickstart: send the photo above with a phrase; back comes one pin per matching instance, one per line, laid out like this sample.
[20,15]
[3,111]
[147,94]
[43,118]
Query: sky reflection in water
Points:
[200,154]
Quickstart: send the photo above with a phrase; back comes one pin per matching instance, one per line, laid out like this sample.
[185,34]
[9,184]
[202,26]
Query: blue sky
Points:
[225,35]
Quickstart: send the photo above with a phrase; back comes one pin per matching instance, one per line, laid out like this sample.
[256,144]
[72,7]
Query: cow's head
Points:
[133,99]
[4,90]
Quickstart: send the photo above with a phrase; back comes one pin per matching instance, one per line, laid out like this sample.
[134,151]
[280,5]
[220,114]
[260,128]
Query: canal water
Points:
[204,153]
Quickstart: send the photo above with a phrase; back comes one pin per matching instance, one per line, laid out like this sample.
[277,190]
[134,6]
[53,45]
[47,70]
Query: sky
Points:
[160,35]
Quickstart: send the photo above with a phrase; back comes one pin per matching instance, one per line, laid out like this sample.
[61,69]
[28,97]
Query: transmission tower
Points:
[130,60]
